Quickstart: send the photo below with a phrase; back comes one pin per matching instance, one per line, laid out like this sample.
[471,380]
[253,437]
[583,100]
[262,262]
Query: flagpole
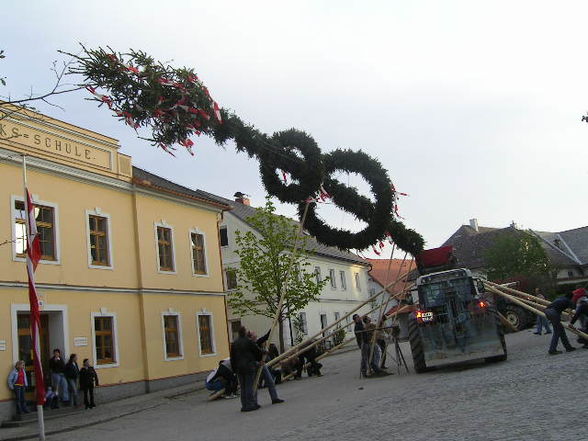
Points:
[34,323]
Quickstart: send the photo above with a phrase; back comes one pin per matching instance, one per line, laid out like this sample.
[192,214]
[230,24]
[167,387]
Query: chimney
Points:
[242,198]
[474,224]
[514,225]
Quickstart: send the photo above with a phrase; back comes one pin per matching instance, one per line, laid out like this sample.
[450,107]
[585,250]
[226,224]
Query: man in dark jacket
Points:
[553,314]
[359,330]
[245,358]
[58,381]
[88,379]
[266,374]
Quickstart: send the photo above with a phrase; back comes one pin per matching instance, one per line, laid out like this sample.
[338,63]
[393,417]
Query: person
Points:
[580,298]
[51,398]
[381,341]
[309,356]
[541,321]
[272,352]
[72,372]
[57,368]
[88,379]
[222,378]
[553,314]
[369,336]
[17,382]
[245,359]
[266,375]
[359,329]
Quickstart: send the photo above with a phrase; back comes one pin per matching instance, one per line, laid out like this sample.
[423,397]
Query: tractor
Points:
[456,320]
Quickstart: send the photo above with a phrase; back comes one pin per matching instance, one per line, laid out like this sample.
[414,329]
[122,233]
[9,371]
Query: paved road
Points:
[532,396]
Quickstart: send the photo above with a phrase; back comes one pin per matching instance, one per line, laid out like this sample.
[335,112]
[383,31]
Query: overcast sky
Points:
[473,107]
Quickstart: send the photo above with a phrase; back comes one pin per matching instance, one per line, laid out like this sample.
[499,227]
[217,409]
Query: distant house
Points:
[567,250]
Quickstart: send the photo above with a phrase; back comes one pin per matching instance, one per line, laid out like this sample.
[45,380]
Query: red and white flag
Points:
[33,257]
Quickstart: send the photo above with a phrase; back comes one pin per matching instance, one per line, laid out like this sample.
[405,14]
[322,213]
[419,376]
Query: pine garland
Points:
[174,105]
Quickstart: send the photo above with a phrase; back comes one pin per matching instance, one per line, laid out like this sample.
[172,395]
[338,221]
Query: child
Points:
[88,379]
[17,381]
[51,398]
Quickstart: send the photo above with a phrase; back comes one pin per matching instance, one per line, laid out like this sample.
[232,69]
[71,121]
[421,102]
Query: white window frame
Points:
[164,224]
[36,201]
[180,335]
[343,278]
[227,279]
[98,212]
[303,320]
[357,283]
[197,231]
[317,274]
[337,317]
[212,333]
[223,227]
[333,278]
[115,339]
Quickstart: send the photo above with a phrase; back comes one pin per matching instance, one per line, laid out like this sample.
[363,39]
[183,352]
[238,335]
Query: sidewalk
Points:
[102,413]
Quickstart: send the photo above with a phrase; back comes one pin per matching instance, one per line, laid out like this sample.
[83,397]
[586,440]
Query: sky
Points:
[473,107]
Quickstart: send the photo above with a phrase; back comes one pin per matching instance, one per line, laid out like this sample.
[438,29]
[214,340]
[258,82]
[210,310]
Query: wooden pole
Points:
[283,295]
[384,307]
[296,348]
[533,310]
[532,300]
[518,293]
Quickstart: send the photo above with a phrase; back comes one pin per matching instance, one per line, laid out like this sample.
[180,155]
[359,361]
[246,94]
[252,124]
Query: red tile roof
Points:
[385,271]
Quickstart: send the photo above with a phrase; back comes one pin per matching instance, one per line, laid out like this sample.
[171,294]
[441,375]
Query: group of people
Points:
[576,300]
[247,356]
[66,379]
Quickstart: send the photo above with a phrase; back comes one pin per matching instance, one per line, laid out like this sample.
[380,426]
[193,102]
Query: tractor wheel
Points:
[516,316]
[416,346]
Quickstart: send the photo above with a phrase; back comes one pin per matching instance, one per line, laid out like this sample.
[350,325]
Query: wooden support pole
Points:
[533,310]
[518,293]
[295,349]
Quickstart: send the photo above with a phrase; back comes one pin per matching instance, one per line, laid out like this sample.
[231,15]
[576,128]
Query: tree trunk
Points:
[281,333]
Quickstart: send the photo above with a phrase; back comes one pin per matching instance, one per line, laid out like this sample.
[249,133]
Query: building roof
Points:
[243,212]
[385,272]
[146,179]
[470,245]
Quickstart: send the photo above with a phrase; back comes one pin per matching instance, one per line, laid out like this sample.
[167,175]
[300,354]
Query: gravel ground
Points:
[532,396]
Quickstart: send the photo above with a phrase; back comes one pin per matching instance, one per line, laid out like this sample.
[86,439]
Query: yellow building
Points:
[131,273]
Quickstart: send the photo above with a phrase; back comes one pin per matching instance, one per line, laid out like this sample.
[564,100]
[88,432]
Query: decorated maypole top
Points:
[175,106]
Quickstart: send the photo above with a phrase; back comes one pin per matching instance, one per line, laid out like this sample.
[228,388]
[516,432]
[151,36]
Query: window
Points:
[104,340]
[165,249]
[205,333]
[235,325]
[45,219]
[198,256]
[231,276]
[323,322]
[357,285]
[99,241]
[171,329]
[343,280]
[333,278]
[224,237]
[317,274]
[303,323]
[337,317]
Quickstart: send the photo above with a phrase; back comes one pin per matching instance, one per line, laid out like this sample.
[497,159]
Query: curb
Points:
[108,418]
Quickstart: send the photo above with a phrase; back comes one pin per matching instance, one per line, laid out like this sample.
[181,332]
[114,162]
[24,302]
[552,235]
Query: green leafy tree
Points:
[270,266]
[518,255]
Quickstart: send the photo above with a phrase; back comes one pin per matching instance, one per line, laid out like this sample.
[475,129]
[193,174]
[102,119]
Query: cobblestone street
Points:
[531,396]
